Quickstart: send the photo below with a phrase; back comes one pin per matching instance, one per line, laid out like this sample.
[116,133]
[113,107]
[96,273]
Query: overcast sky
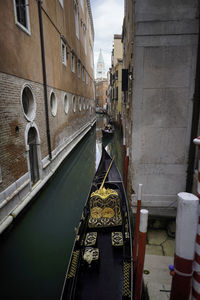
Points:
[108,20]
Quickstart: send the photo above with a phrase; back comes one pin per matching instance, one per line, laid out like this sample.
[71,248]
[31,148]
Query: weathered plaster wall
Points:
[165,49]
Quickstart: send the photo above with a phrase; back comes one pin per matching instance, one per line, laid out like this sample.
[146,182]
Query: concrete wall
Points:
[165,50]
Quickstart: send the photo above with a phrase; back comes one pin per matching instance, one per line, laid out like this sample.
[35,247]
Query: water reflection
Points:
[113,144]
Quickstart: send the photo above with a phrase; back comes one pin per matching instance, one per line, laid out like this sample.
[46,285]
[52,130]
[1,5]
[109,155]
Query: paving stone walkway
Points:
[159,255]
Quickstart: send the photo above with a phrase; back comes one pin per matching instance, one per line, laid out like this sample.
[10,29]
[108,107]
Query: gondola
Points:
[100,267]
[108,130]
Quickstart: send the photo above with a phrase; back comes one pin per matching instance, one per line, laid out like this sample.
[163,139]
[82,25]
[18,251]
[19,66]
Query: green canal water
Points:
[35,251]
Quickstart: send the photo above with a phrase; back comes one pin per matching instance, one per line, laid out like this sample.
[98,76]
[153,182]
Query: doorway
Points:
[33,155]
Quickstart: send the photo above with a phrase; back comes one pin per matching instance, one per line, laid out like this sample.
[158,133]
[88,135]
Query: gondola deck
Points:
[101,266]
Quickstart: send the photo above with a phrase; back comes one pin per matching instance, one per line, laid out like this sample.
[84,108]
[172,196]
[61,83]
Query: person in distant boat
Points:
[109,127]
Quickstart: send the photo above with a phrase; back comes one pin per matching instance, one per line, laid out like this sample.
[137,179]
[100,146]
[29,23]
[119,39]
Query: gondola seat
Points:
[104,209]
[90,239]
[117,239]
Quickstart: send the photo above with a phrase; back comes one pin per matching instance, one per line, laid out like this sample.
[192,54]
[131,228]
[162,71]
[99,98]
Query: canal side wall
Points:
[165,52]
[15,198]
[67,128]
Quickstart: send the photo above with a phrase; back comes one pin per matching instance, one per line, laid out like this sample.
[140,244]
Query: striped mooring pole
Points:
[196,264]
[136,231]
[126,168]
[141,253]
[124,155]
[186,229]
[197,142]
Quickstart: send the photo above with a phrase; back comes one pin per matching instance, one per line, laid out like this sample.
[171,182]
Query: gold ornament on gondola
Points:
[96,212]
[107,212]
[104,207]
[104,193]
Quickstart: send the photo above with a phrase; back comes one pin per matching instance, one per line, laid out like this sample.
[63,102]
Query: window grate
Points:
[21,12]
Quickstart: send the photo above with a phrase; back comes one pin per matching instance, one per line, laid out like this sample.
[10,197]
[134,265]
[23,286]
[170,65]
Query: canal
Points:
[34,252]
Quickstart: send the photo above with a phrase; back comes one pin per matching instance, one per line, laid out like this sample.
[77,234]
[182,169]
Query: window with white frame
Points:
[82,4]
[86,77]
[84,39]
[76,14]
[91,56]
[73,62]
[83,73]
[79,68]
[21,10]
[64,52]
[61,3]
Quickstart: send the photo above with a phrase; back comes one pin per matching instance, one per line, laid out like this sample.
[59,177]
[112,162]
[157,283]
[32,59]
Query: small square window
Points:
[21,9]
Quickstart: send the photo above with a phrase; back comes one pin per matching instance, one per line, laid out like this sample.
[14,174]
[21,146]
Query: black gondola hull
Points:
[110,276]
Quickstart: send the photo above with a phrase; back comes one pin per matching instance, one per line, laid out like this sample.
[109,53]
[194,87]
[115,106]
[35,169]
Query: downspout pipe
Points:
[44,78]
[195,122]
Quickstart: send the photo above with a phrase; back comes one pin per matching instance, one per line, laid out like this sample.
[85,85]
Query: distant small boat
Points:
[100,267]
[100,110]
[108,130]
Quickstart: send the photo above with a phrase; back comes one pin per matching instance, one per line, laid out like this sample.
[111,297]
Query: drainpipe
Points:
[44,78]
[195,123]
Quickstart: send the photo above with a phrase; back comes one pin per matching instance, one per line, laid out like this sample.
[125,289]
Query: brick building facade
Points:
[47,93]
